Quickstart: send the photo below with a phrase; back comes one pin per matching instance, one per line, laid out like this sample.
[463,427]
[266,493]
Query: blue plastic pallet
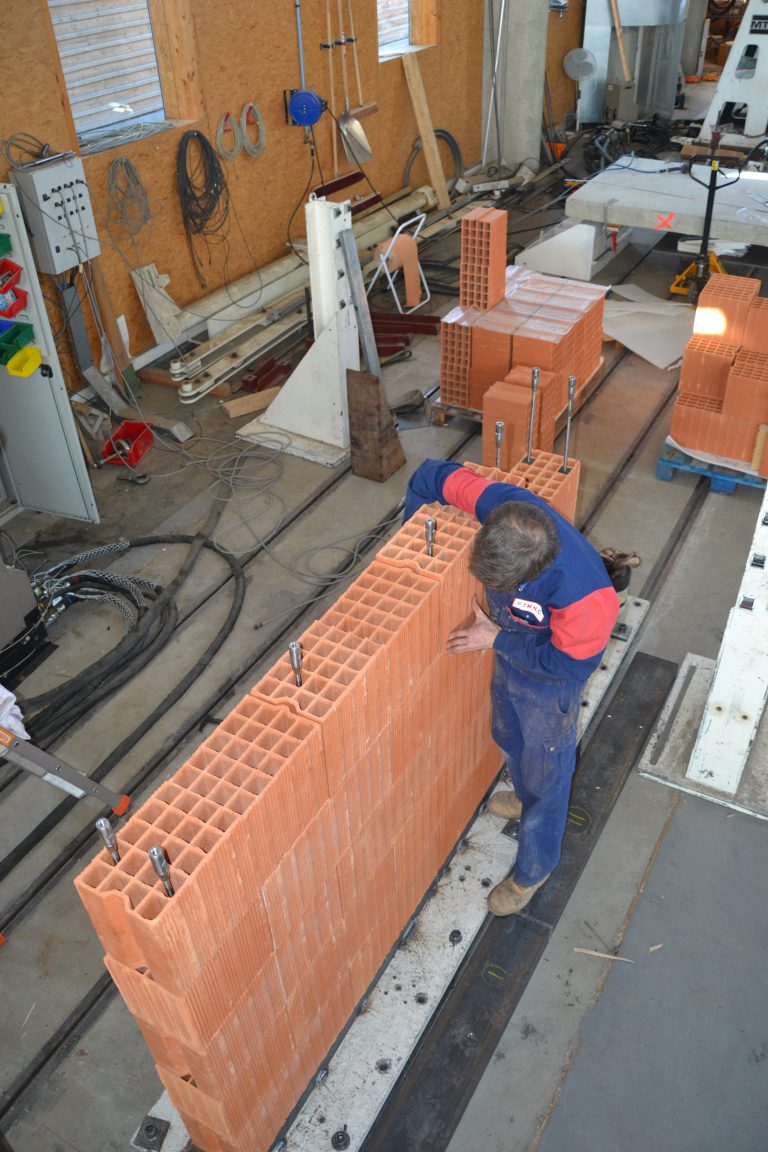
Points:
[720,479]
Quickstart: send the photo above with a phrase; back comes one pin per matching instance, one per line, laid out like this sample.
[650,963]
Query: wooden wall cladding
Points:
[565,33]
[248,51]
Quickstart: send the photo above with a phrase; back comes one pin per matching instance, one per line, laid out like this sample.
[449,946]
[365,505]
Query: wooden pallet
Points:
[720,479]
[442,411]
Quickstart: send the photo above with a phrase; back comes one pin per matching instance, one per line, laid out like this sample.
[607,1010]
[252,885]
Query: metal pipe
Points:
[294,652]
[429,532]
[499,441]
[571,393]
[161,866]
[535,374]
[494,78]
[301,41]
[108,838]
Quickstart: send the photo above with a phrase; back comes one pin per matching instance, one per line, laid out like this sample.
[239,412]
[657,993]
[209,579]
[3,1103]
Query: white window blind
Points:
[394,23]
[107,52]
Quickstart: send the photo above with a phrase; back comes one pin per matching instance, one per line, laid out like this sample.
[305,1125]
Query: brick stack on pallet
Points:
[722,404]
[302,835]
[508,324]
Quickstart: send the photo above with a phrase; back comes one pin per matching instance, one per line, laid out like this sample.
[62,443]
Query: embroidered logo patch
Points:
[529,606]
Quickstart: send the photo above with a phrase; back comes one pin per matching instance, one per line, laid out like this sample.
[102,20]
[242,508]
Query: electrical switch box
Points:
[58,214]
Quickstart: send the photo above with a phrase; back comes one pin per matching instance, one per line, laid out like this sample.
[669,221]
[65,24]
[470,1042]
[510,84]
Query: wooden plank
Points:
[426,128]
[620,40]
[375,446]
[176,46]
[602,955]
[423,22]
[246,405]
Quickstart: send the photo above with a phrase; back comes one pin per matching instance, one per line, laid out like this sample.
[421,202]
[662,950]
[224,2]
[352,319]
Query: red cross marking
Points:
[664,221]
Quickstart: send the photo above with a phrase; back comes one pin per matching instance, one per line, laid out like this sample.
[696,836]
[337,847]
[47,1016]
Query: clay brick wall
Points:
[544,478]
[723,388]
[302,835]
[541,322]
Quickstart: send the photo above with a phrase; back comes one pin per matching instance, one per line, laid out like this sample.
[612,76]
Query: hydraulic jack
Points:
[691,281]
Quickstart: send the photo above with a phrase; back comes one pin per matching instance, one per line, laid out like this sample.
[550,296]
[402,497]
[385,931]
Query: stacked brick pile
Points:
[539,322]
[302,835]
[722,401]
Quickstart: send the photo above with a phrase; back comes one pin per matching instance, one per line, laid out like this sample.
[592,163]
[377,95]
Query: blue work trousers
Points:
[534,724]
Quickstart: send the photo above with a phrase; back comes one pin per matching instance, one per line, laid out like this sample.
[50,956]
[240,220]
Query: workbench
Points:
[643,194]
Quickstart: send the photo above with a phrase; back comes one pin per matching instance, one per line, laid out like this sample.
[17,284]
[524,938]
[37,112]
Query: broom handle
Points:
[354,53]
[620,41]
[329,39]
[344,75]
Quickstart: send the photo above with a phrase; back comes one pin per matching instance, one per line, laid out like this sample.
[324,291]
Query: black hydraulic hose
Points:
[60,811]
[93,675]
[63,719]
[453,144]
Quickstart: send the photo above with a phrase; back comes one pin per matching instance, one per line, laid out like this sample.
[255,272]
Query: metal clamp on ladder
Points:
[31,759]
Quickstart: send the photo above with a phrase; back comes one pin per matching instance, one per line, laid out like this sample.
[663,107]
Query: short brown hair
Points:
[515,544]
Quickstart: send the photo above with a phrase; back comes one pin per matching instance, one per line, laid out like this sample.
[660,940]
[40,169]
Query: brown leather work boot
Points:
[508,897]
[506,805]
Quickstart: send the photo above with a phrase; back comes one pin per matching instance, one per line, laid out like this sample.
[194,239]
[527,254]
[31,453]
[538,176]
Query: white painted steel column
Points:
[311,407]
[740,687]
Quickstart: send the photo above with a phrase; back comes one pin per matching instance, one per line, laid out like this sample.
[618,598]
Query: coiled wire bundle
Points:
[203,195]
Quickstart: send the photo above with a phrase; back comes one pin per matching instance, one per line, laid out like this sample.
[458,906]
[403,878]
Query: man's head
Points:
[516,543]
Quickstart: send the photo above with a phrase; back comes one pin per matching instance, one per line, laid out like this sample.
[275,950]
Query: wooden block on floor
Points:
[376,449]
[247,405]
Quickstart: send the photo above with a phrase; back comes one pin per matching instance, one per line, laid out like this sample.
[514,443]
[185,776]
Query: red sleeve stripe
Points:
[583,629]
[463,489]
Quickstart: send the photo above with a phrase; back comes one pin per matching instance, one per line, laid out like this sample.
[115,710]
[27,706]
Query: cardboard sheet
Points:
[658,330]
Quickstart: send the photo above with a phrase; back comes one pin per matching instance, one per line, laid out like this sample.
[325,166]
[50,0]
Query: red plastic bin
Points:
[128,443]
[10,274]
[18,305]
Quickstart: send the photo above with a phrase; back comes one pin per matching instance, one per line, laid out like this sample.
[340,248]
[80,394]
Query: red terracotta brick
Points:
[706,364]
[723,307]
[700,424]
[544,479]
[512,405]
[483,258]
[755,338]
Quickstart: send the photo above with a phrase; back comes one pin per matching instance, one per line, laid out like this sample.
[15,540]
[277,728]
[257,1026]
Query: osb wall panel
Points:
[248,51]
[565,33]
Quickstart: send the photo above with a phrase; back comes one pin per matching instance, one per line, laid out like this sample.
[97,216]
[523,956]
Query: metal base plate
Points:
[670,747]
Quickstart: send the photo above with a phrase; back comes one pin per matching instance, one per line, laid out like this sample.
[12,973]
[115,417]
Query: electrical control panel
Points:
[57,210]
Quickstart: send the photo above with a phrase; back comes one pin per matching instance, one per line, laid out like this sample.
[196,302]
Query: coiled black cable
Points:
[203,195]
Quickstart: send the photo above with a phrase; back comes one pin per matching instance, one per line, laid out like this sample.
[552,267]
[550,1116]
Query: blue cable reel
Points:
[305,107]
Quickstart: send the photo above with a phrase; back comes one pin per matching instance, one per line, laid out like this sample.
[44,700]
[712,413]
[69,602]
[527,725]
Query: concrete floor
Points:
[583,1043]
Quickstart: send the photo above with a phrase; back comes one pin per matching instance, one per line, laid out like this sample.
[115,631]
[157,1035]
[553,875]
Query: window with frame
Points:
[405,25]
[109,61]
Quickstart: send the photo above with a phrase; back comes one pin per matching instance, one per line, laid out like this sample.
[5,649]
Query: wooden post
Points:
[620,38]
[426,129]
[375,446]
